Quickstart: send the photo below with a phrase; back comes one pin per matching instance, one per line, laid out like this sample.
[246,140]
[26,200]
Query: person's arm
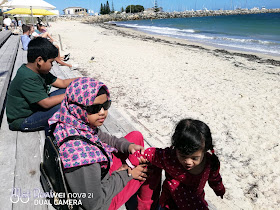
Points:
[99,193]
[62,83]
[47,35]
[51,101]
[34,34]
[58,60]
[154,155]
[121,144]
[34,92]
[87,179]
[215,182]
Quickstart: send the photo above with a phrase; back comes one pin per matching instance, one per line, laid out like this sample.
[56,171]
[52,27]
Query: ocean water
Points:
[251,33]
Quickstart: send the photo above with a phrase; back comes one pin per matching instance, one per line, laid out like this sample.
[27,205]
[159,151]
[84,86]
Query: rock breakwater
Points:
[164,15]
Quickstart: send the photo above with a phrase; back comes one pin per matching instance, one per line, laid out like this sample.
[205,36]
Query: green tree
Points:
[134,8]
[156,9]
[122,9]
[107,8]
[101,9]
[113,9]
[139,8]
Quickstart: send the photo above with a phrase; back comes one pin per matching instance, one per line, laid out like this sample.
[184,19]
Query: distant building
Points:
[75,11]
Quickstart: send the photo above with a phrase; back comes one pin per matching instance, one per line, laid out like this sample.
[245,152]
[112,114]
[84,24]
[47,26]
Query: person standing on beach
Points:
[7,22]
[109,181]
[29,104]
[19,23]
[188,166]
[14,23]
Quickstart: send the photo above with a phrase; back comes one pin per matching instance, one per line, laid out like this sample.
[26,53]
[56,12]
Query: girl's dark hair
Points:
[193,135]
[101,91]
[41,47]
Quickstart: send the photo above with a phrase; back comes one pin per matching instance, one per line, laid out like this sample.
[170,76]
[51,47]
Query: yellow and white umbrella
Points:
[32,4]
[27,11]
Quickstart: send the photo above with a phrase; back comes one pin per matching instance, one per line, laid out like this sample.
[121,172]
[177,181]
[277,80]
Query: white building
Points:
[75,11]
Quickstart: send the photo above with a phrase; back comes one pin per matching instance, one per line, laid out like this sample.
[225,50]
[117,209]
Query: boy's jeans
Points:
[39,120]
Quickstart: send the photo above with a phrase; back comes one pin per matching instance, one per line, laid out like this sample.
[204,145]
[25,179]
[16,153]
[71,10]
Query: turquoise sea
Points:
[251,33]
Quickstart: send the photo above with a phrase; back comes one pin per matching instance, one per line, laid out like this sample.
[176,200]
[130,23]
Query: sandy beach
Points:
[156,81]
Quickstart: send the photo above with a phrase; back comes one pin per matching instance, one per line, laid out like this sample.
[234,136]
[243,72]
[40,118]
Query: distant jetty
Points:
[165,15]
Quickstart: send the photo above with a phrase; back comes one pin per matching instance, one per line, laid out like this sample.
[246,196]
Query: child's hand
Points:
[142,160]
[134,147]
[123,167]
[139,172]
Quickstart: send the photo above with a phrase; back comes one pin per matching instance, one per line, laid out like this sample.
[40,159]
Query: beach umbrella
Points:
[32,4]
[3,1]
[25,16]
[27,11]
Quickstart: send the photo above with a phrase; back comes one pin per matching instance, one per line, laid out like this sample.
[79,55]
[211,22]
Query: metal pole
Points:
[60,42]
[47,20]
[32,20]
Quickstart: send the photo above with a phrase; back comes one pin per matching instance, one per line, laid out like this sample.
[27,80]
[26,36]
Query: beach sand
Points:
[156,81]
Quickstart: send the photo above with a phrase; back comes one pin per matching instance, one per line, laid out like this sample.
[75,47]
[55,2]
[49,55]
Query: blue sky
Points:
[168,5]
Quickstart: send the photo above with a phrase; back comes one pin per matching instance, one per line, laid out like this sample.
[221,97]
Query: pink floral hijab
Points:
[71,120]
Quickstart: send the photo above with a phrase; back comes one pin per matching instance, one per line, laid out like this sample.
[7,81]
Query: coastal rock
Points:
[164,15]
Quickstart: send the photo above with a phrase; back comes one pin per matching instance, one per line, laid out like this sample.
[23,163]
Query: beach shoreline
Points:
[134,33]
[155,81]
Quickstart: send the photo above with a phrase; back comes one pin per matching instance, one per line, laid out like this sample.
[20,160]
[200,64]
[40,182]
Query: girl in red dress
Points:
[188,166]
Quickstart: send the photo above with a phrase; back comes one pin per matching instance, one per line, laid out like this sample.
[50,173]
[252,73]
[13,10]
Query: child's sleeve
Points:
[153,155]
[121,144]
[215,182]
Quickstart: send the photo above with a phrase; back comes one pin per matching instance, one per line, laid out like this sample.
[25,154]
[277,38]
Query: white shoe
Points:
[75,66]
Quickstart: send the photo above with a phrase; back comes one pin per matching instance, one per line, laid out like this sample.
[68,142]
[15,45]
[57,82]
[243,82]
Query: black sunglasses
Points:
[95,108]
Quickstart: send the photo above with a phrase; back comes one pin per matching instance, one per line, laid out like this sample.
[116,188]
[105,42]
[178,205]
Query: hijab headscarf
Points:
[71,120]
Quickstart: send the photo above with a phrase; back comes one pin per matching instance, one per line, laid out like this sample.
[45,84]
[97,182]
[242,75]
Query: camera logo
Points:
[19,196]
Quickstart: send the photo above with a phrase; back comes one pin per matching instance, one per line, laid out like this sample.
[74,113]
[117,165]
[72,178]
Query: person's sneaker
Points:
[74,66]
[66,57]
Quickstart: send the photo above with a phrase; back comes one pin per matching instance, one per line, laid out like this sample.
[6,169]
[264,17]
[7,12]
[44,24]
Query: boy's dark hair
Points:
[41,47]
[25,28]
[193,135]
